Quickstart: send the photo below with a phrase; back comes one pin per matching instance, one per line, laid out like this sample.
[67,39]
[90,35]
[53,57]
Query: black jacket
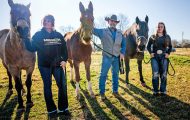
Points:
[159,43]
[51,48]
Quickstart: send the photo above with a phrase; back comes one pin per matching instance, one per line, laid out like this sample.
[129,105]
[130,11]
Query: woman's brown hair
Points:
[164,31]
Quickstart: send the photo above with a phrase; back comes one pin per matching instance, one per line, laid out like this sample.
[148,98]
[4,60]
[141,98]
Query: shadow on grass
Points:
[114,110]
[165,107]
[7,108]
[86,111]
[8,95]
[27,112]
[99,113]
[132,109]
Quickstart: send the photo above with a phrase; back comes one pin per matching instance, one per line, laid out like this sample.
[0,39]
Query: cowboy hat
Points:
[113,17]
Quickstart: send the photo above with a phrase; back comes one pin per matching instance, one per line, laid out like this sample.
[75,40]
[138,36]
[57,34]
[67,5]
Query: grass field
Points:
[135,102]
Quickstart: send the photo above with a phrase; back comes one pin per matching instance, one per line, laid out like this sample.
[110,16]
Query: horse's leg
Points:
[23,90]
[10,91]
[77,78]
[127,67]
[71,70]
[139,62]
[87,68]
[28,83]
[18,85]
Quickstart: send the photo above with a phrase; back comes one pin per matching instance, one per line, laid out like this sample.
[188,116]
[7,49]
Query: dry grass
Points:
[182,51]
[136,102]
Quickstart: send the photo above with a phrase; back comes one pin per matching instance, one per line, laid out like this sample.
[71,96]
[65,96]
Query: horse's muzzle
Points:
[87,38]
[22,27]
[23,31]
[141,48]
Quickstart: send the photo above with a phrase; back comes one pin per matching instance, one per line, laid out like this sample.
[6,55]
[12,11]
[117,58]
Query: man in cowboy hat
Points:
[114,47]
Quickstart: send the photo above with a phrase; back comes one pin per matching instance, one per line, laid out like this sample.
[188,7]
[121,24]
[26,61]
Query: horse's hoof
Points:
[72,81]
[78,97]
[29,104]
[127,85]
[143,84]
[92,95]
[20,109]
[23,92]
[10,92]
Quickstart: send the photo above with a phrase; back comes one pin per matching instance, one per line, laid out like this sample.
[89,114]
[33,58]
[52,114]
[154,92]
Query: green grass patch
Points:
[135,102]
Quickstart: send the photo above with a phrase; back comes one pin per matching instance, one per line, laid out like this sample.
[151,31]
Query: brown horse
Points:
[79,46]
[136,36]
[13,53]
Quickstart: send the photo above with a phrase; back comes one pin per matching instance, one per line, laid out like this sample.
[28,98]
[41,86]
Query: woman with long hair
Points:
[159,47]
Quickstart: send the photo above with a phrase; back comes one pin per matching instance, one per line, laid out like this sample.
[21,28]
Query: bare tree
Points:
[122,25]
[124,22]
[186,43]
[101,23]
[175,43]
[65,29]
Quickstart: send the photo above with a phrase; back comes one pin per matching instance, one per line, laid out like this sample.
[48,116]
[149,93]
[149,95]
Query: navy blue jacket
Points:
[51,48]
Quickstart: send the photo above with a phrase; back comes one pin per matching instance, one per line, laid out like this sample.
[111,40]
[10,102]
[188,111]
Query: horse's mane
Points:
[131,30]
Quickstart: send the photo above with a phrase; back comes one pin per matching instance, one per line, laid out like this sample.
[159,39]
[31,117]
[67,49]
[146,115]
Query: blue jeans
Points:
[57,72]
[107,62]
[159,70]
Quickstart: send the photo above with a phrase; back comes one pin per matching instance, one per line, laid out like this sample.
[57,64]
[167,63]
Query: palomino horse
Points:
[136,36]
[13,53]
[79,46]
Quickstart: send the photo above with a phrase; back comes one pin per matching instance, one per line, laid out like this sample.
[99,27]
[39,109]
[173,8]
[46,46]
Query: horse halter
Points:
[19,29]
[138,39]
[86,25]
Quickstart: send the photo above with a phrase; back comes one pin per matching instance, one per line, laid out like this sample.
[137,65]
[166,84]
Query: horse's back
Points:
[76,49]
[3,35]
[67,38]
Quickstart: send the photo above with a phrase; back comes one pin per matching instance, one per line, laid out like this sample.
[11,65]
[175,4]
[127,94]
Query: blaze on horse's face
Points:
[20,18]
[87,22]
[142,33]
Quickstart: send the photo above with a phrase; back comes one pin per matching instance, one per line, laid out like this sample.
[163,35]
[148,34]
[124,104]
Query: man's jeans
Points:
[57,72]
[159,69]
[107,62]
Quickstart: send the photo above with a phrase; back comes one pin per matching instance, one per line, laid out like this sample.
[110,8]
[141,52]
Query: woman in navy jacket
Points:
[52,56]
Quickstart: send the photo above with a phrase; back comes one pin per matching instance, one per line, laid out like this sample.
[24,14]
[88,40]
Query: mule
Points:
[13,53]
[136,37]
[79,46]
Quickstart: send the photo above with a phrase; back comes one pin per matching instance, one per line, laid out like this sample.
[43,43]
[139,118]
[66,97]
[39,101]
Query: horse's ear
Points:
[28,5]
[81,7]
[137,20]
[10,3]
[146,19]
[90,7]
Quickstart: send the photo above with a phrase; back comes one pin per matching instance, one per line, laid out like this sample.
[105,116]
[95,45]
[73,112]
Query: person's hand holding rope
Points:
[63,65]
[151,55]
[121,56]
[166,55]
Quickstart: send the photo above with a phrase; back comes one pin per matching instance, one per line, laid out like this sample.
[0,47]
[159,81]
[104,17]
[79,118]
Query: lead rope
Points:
[171,67]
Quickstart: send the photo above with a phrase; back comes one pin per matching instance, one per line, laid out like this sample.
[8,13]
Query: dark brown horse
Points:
[136,36]
[13,53]
[79,46]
